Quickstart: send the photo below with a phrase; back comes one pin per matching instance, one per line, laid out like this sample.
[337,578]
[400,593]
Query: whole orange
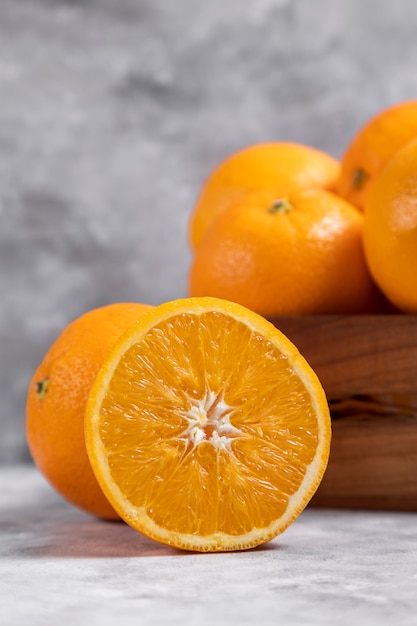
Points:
[297,255]
[372,147]
[57,398]
[390,229]
[279,166]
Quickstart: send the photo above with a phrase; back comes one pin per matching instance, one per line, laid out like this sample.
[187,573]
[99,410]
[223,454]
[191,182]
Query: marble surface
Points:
[61,566]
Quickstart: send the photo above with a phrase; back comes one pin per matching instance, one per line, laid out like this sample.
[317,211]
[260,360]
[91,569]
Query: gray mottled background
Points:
[112,112]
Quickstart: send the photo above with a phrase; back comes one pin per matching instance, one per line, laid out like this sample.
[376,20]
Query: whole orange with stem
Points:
[282,166]
[57,398]
[372,147]
[390,229]
[295,255]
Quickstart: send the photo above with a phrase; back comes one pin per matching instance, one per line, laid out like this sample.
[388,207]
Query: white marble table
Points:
[60,566]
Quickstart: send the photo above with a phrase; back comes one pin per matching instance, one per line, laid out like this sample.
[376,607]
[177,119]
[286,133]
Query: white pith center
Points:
[209,420]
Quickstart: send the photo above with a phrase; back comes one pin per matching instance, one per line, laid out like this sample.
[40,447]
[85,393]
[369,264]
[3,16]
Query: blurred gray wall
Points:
[112,112]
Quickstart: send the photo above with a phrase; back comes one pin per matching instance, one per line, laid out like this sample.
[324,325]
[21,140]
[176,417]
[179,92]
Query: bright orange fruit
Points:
[295,255]
[206,428]
[372,147]
[279,166]
[390,229]
[57,398]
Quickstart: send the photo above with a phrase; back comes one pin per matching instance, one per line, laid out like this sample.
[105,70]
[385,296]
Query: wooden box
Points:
[368,368]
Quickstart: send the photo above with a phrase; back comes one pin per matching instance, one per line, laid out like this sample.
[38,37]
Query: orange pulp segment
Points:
[206,428]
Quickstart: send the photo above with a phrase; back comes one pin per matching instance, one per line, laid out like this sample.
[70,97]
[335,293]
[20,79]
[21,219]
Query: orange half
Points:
[206,428]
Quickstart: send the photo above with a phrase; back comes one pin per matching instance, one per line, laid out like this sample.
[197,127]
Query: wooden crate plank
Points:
[372,464]
[358,354]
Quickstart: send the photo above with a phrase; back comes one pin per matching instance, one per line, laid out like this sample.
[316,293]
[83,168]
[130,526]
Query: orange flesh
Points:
[207,435]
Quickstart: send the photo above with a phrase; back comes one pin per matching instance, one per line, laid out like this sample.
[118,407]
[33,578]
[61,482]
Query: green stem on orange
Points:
[282,205]
[41,387]
[359,178]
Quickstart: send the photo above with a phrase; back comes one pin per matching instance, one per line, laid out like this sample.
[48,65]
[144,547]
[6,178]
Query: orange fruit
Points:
[372,147]
[390,229]
[57,398]
[296,255]
[206,428]
[278,165]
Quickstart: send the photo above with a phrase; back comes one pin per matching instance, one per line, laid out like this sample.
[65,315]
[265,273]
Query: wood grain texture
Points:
[368,368]
[373,460]
[358,354]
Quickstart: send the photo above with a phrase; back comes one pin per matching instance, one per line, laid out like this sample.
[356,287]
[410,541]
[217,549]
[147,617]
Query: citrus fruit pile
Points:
[197,421]
[285,229]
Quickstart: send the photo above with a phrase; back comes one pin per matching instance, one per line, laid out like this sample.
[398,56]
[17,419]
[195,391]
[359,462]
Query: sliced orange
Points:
[206,428]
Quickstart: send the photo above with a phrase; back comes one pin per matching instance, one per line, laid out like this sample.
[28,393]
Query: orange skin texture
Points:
[278,166]
[55,422]
[307,260]
[390,229]
[372,147]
